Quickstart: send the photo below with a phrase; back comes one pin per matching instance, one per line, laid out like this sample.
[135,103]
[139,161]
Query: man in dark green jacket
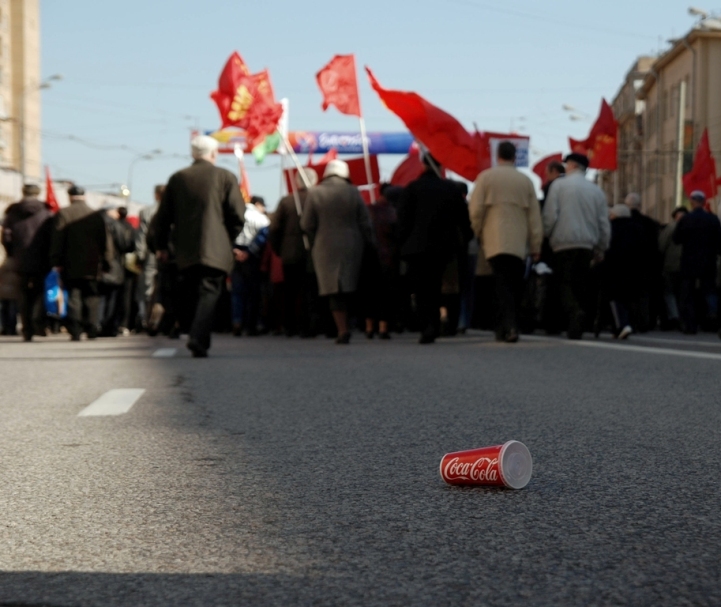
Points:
[203,207]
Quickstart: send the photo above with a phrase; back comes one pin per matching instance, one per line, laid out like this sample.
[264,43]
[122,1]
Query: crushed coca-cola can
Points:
[507,465]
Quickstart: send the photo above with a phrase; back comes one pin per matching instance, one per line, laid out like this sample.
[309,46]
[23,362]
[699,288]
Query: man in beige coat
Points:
[506,217]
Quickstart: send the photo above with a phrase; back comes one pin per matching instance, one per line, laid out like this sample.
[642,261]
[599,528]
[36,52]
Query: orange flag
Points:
[703,174]
[51,200]
[338,83]
[601,147]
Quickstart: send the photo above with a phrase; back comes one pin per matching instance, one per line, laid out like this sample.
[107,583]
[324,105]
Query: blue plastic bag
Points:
[56,298]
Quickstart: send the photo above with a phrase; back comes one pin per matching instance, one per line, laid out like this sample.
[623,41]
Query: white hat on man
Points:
[337,168]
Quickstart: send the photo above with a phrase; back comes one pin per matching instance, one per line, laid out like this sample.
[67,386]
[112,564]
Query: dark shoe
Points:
[237,330]
[385,335]
[511,337]
[427,337]
[27,337]
[252,332]
[197,350]
[500,336]
[370,334]
[343,339]
[75,338]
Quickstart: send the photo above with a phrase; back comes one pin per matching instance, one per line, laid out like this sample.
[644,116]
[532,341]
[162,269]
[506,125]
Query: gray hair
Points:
[203,146]
[633,201]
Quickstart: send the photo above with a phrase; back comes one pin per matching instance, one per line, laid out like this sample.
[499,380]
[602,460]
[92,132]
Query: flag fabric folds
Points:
[703,174]
[51,200]
[339,85]
[247,101]
[601,146]
[410,169]
[447,140]
[540,167]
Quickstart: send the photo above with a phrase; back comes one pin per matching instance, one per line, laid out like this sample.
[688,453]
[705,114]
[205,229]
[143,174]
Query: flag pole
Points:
[366,158]
[294,157]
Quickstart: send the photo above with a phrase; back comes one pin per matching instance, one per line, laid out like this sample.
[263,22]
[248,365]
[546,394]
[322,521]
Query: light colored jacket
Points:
[255,221]
[575,215]
[505,214]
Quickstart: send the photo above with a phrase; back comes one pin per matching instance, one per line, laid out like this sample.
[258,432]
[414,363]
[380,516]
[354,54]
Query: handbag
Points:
[56,298]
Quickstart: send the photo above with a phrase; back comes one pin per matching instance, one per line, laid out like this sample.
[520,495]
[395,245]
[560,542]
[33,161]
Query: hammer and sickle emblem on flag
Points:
[241,103]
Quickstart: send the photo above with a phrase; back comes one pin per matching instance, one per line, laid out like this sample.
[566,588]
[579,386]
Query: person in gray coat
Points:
[337,223]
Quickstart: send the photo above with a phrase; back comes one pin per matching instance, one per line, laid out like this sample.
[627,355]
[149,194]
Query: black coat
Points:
[623,262]
[650,255]
[27,231]
[121,240]
[699,233]
[284,233]
[78,242]
[203,206]
[432,218]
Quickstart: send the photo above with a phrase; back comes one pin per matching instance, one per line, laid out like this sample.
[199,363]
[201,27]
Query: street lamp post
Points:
[45,84]
[148,156]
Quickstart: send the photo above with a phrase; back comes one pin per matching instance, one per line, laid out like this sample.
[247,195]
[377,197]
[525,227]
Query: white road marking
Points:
[165,353]
[626,347]
[682,342]
[113,402]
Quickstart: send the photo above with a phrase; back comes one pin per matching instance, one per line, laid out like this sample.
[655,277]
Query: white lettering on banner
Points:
[326,140]
[483,469]
[522,150]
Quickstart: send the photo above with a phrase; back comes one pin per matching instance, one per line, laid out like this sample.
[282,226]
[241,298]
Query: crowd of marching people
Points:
[423,258]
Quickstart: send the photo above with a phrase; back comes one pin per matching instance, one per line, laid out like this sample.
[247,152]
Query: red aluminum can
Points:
[508,465]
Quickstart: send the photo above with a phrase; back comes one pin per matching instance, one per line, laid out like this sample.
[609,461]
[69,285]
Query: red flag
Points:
[337,81]
[540,167]
[410,169]
[50,199]
[447,140]
[601,147]
[247,101]
[703,174]
[230,96]
[244,184]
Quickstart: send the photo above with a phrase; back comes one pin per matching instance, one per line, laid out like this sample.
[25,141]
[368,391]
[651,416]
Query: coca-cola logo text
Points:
[483,469]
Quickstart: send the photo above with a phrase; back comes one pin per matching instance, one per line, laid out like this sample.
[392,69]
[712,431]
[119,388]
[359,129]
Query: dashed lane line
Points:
[113,402]
[627,348]
[165,353]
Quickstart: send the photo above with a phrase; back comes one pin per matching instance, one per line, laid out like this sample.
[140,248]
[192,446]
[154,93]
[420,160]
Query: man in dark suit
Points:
[77,251]
[26,237]
[433,222]
[203,206]
[699,234]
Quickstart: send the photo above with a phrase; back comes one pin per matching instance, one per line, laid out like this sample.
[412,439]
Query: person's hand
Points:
[598,256]
[536,257]
[162,256]
[240,255]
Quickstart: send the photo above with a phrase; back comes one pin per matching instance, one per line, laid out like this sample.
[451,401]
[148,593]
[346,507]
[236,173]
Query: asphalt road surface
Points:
[289,472]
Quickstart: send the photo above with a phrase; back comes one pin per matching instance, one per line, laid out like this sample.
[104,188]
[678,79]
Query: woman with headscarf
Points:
[337,223]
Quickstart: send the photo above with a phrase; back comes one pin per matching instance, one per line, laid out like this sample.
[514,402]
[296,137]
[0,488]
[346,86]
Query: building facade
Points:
[696,61]
[20,87]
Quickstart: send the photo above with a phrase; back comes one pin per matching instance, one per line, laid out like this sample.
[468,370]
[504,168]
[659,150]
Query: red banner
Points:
[337,81]
[703,174]
[601,146]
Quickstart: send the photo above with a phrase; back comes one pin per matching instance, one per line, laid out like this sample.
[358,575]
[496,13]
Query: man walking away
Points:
[27,230]
[671,270]
[202,204]
[699,234]
[146,261]
[575,220]
[432,217]
[77,251]
[506,217]
[286,238]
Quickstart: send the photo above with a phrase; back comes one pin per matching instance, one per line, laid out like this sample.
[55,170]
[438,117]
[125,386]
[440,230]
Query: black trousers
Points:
[425,274]
[300,289]
[508,278]
[83,307]
[574,271]
[32,307]
[199,291]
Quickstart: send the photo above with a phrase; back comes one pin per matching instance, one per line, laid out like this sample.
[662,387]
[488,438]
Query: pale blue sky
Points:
[138,73]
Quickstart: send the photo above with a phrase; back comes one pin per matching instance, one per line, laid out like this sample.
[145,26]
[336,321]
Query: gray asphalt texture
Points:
[289,472]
